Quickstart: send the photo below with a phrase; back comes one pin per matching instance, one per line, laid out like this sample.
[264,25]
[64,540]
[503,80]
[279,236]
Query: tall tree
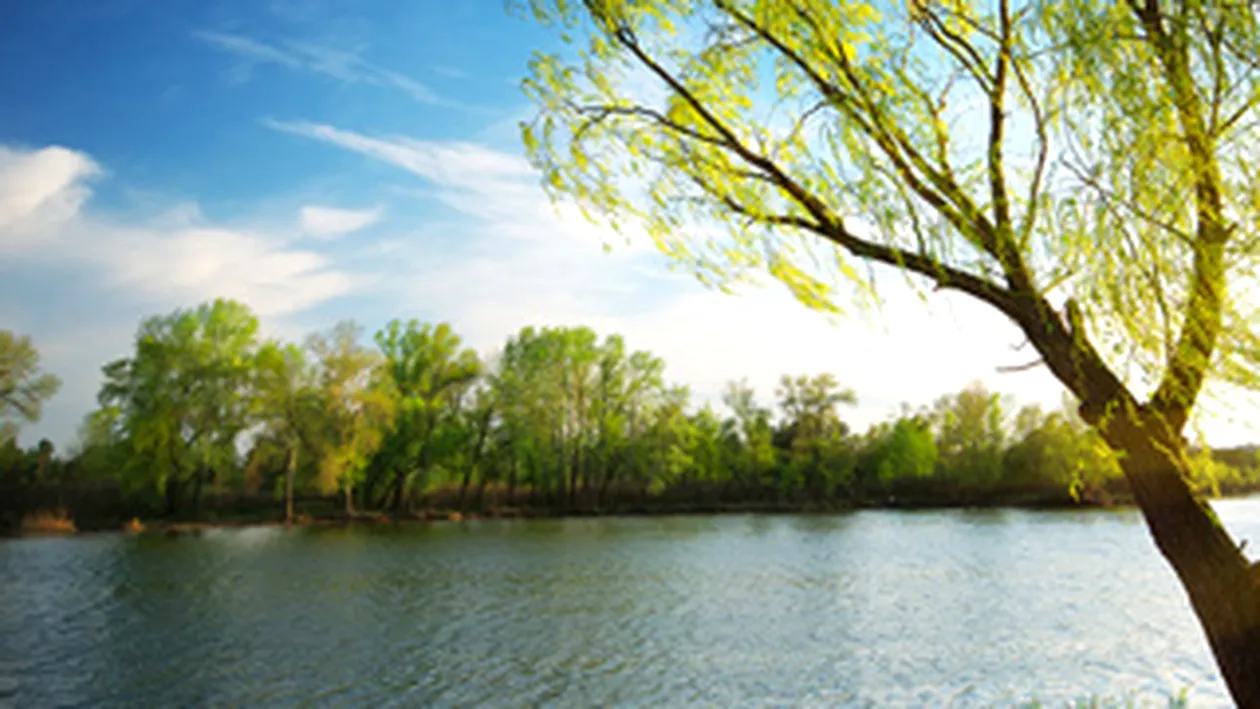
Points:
[812,430]
[429,369]
[359,403]
[751,428]
[286,403]
[971,435]
[817,132]
[23,387]
[182,398]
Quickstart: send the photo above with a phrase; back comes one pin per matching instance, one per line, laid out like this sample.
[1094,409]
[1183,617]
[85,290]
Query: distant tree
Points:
[23,387]
[359,403]
[908,452]
[971,435]
[813,434]
[180,401]
[44,451]
[429,369]
[286,402]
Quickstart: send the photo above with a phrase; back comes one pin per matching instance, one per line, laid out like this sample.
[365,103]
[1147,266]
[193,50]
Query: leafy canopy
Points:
[1081,166]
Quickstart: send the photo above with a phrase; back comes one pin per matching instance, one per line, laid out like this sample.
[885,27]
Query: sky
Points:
[327,159]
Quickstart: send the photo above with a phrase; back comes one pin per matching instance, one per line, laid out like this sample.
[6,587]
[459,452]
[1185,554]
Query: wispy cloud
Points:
[331,222]
[525,262]
[449,72]
[175,257]
[338,64]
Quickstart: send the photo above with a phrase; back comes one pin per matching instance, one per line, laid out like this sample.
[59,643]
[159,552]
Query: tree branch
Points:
[1202,317]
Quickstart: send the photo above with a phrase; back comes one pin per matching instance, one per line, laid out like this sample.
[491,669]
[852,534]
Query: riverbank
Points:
[71,511]
[59,522]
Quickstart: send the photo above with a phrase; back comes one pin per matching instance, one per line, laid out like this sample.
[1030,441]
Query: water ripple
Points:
[954,608]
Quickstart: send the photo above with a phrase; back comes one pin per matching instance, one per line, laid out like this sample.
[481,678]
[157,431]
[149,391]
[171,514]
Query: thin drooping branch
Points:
[1066,351]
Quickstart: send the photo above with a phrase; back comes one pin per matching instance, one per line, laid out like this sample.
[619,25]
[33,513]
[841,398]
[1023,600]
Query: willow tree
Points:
[1081,167]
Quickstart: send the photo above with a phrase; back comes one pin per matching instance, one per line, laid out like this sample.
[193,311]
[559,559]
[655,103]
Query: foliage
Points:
[558,418]
[180,402]
[23,387]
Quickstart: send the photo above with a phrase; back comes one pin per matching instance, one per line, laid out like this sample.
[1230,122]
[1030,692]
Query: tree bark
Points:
[172,495]
[198,476]
[511,486]
[1218,580]
[475,459]
[288,486]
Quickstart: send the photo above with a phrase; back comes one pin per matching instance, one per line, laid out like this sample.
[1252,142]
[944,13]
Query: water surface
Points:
[953,608]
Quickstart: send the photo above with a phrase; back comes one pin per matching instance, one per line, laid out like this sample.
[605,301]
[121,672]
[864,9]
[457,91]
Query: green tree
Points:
[359,403]
[23,387]
[814,133]
[813,434]
[429,369]
[287,404]
[477,425]
[183,397]
[907,452]
[970,436]
[751,429]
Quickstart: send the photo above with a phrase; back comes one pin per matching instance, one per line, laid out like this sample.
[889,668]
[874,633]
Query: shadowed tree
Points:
[44,450]
[1081,167]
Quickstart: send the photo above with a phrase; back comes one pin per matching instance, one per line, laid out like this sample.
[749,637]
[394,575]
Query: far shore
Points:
[60,524]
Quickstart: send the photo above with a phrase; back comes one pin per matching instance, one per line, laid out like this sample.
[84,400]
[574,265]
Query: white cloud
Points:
[330,222]
[141,265]
[38,189]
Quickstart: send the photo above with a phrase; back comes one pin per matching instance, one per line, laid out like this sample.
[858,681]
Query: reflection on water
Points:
[958,608]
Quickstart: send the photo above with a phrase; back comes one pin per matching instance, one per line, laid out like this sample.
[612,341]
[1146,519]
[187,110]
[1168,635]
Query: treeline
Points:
[558,420]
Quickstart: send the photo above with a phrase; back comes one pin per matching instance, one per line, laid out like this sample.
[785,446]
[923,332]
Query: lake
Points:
[875,608]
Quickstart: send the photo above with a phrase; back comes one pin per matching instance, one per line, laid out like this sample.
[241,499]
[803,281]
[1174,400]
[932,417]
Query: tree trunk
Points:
[463,488]
[349,500]
[288,486]
[481,494]
[482,430]
[574,465]
[172,495]
[1220,583]
[400,483]
[198,476]
[511,486]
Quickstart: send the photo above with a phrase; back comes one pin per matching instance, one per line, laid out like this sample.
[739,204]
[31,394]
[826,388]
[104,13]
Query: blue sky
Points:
[325,159]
